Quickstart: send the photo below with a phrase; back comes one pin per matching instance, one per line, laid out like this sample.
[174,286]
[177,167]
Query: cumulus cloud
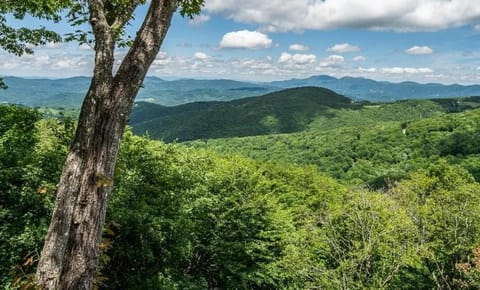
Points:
[359,58]
[298,47]
[367,69]
[201,56]
[65,63]
[407,70]
[263,65]
[245,39]
[332,61]
[399,15]
[9,65]
[343,48]
[297,59]
[419,50]
[48,65]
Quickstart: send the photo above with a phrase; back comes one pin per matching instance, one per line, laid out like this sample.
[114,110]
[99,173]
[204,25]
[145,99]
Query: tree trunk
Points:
[70,255]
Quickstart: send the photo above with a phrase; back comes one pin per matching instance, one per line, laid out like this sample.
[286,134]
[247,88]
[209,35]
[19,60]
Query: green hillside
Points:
[356,147]
[286,111]
[185,218]
[373,144]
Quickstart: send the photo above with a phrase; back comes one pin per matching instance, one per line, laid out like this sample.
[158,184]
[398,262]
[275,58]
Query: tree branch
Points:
[146,45]
[125,16]
[104,43]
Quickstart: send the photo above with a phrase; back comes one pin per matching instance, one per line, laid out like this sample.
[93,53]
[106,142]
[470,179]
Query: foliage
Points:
[470,272]
[360,148]
[184,218]
[197,218]
[443,202]
[367,243]
[29,167]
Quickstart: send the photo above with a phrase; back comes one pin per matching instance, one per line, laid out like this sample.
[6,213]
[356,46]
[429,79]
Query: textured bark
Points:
[70,255]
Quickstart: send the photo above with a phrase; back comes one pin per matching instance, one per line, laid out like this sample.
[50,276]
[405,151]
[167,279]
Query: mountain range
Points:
[382,91]
[70,92]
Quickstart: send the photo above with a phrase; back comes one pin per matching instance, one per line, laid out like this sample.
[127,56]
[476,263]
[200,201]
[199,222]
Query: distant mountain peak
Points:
[323,78]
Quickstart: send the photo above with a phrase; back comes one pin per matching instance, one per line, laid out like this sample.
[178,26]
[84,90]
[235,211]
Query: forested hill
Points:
[375,145]
[286,111]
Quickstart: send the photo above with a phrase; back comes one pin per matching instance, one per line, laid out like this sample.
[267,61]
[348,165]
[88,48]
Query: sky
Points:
[396,40]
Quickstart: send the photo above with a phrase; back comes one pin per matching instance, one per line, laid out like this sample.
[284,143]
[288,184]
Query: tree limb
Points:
[104,42]
[146,45]
[122,19]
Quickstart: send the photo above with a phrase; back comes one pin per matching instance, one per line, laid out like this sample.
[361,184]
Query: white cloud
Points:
[359,58]
[201,56]
[200,19]
[65,63]
[53,45]
[399,15]
[298,47]
[46,64]
[419,50]
[68,63]
[477,27]
[367,70]
[8,65]
[297,59]
[407,70]
[343,48]
[245,39]
[264,64]
[332,61]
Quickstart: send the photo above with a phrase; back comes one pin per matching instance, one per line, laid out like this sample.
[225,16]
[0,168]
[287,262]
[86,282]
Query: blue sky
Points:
[396,40]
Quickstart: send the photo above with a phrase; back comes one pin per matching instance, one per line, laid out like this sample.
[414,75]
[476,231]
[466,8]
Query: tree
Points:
[443,203]
[70,254]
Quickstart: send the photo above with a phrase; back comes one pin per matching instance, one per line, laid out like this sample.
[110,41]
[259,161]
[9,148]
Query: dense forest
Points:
[375,144]
[286,111]
[381,196]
